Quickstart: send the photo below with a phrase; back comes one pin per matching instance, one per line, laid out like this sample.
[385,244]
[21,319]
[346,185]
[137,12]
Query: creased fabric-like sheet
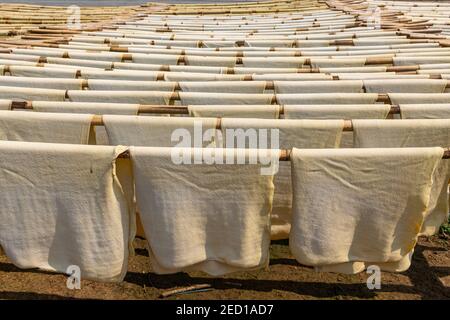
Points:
[354,86]
[131,75]
[337,63]
[103,56]
[224,86]
[63,205]
[210,98]
[18,93]
[405,85]
[330,111]
[189,76]
[425,111]
[217,44]
[291,133]
[97,108]
[19,57]
[38,82]
[378,75]
[377,41]
[444,72]
[327,98]
[429,67]
[159,131]
[413,133]
[235,111]
[45,127]
[47,72]
[80,63]
[292,76]
[210,61]
[86,107]
[375,219]
[338,111]
[128,85]
[273,62]
[5,104]
[263,71]
[212,218]
[269,43]
[17,62]
[155,58]
[197,69]
[416,98]
[356,70]
[139,97]
[411,61]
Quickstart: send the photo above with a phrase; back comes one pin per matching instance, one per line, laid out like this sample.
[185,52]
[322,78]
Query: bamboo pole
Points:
[166,68]
[285,154]
[162,109]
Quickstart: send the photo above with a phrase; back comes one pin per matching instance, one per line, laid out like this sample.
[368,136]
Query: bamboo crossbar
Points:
[370,61]
[285,154]
[162,109]
[123,53]
[269,85]
[382,97]
[248,77]
[175,96]
[98,121]
[64,35]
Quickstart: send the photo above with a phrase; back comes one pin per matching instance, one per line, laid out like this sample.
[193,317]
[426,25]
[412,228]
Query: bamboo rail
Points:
[177,110]
[285,154]
[175,96]
[248,76]
[268,84]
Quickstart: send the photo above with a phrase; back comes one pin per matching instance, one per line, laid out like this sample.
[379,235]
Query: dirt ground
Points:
[428,278]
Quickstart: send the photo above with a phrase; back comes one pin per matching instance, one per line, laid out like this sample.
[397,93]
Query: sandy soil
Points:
[428,278]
